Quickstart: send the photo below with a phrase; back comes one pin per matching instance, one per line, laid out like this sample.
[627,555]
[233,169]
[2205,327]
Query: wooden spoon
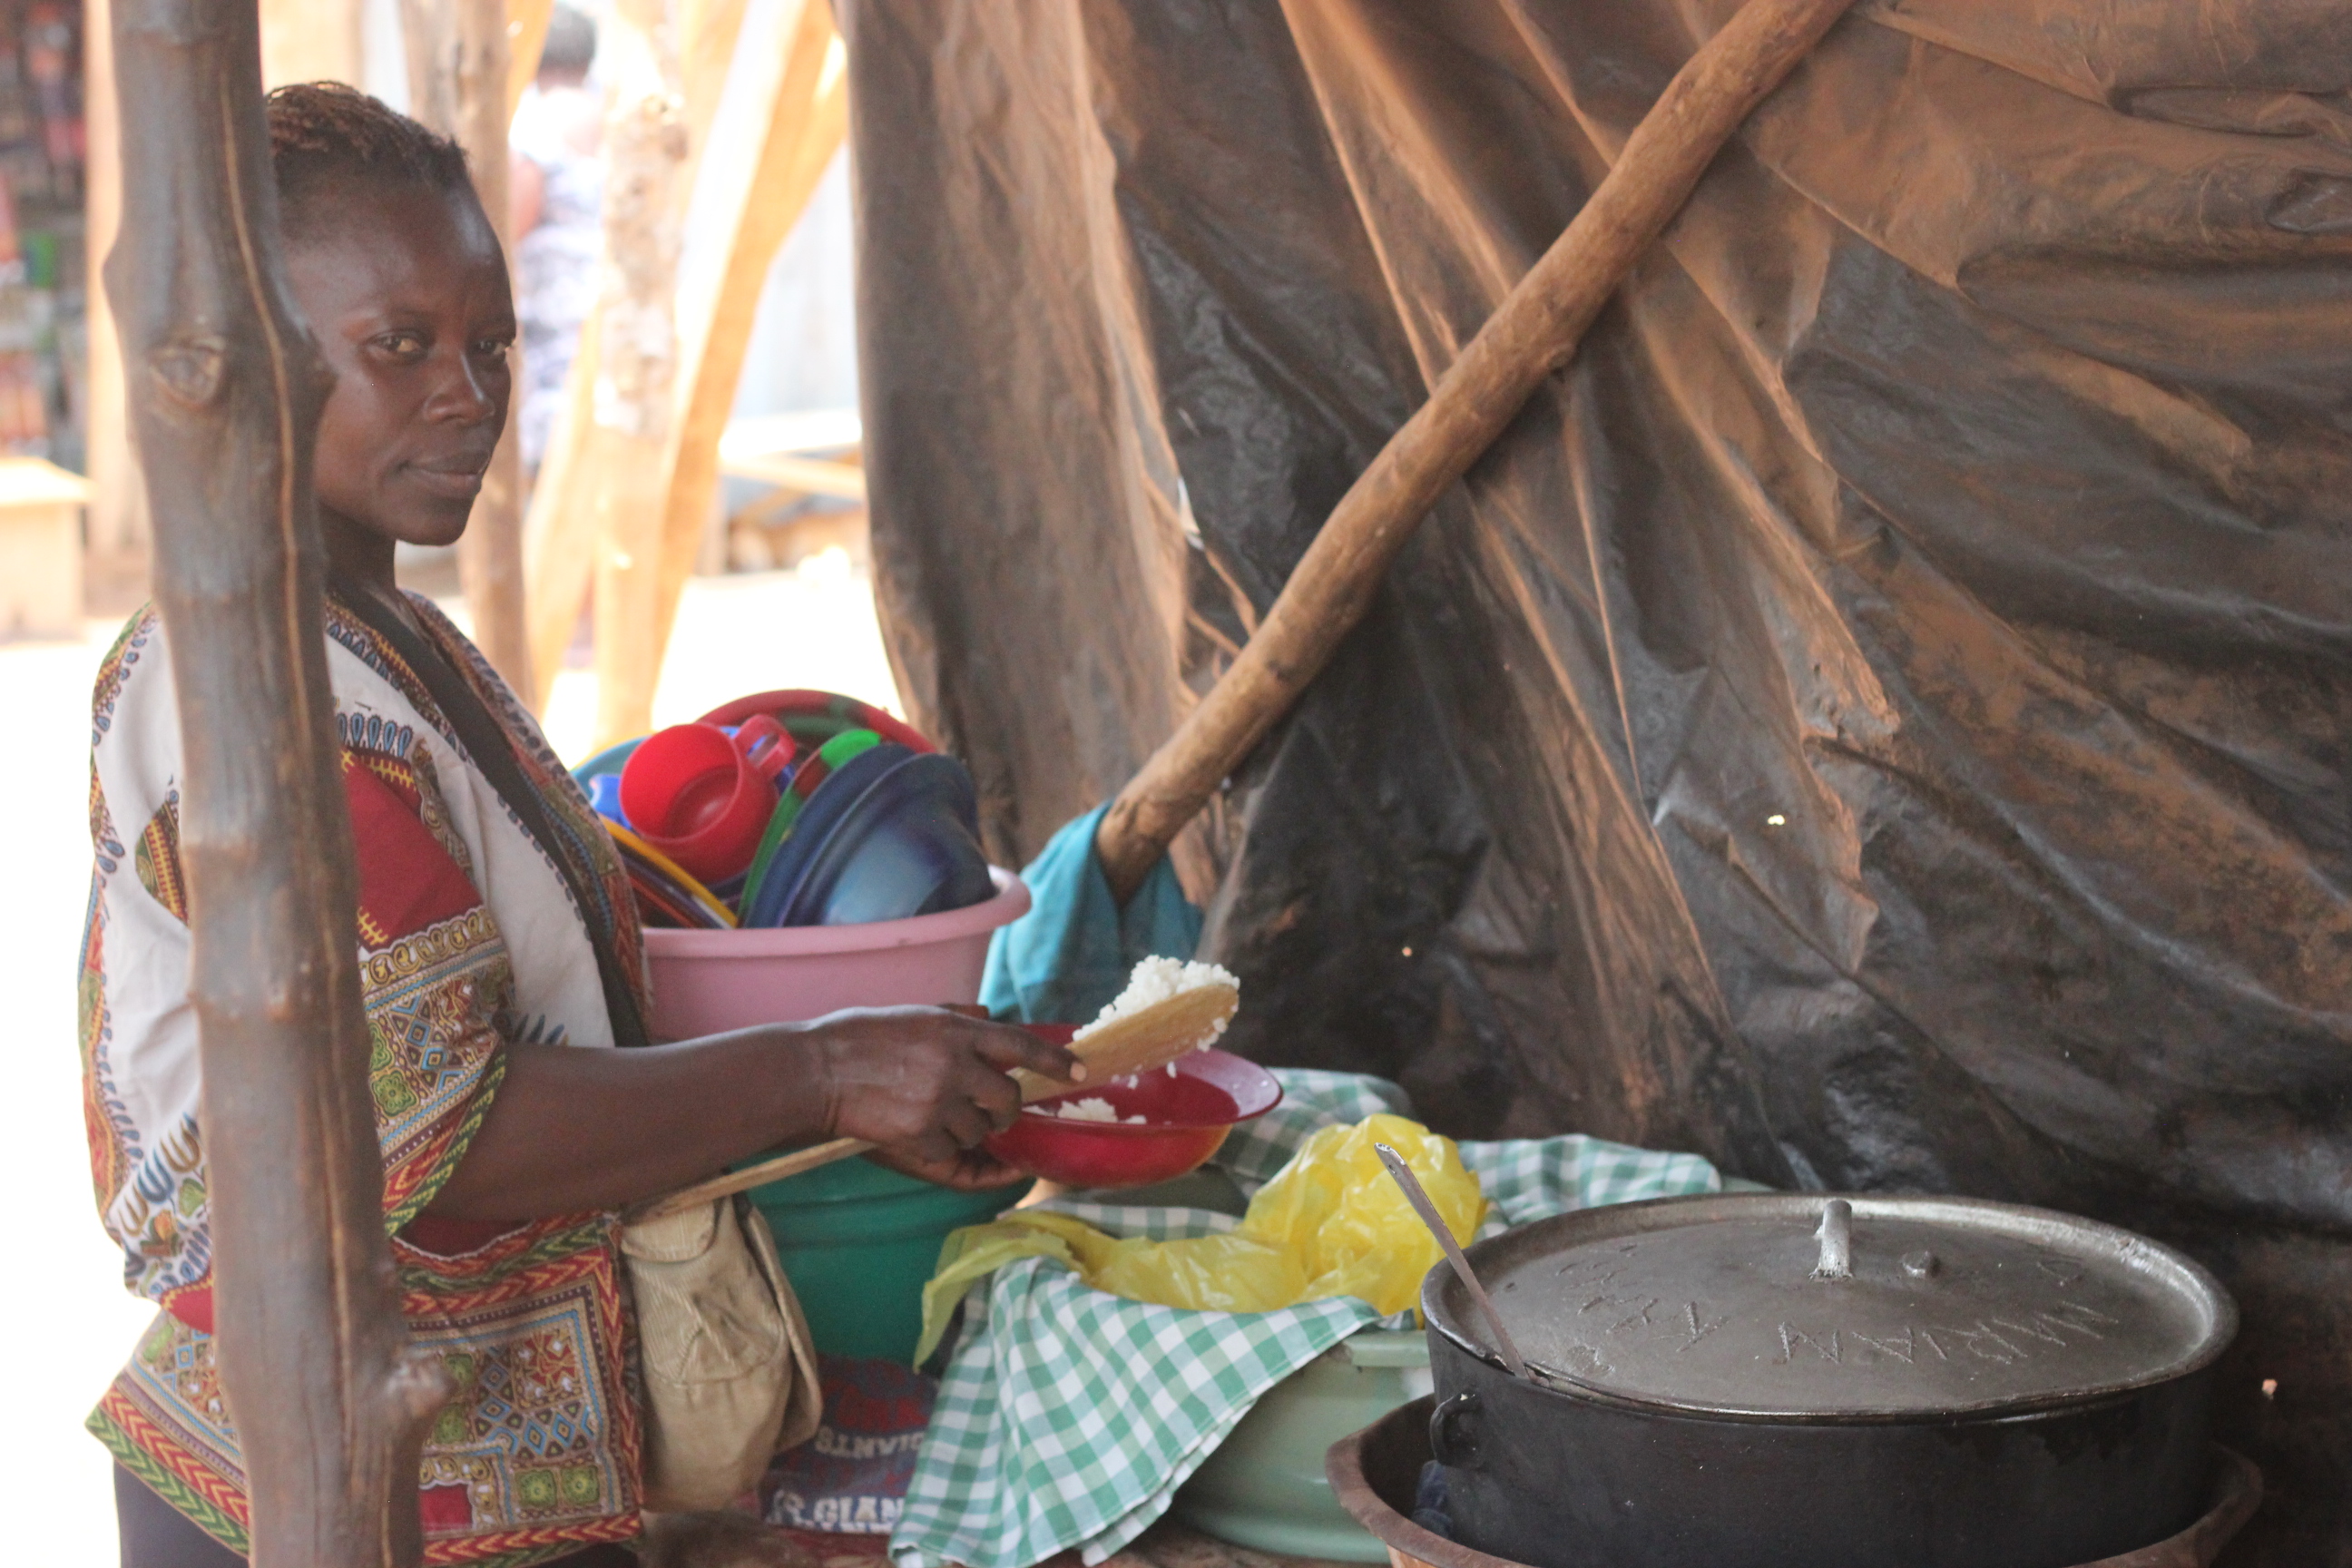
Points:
[1139,1042]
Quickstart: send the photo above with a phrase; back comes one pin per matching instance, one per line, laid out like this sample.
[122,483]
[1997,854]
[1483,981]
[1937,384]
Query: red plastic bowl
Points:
[1186,1117]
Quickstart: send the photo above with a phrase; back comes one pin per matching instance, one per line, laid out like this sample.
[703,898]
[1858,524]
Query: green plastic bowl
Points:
[859,1243]
[1264,1488]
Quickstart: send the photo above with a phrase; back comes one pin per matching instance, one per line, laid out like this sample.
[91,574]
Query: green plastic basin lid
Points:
[1387,1348]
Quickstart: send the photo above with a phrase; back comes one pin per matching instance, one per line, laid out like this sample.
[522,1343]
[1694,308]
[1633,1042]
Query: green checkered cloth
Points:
[1069,1416]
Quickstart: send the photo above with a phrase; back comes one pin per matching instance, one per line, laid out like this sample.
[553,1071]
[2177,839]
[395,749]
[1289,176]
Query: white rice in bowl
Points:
[1093,1108]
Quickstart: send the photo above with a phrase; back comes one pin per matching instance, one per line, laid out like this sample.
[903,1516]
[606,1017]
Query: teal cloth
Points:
[1064,961]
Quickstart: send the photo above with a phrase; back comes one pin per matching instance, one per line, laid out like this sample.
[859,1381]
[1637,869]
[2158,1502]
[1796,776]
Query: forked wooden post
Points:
[330,1400]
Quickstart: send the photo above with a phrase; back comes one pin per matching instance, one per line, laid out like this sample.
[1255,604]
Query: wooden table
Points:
[40,549]
[786,451]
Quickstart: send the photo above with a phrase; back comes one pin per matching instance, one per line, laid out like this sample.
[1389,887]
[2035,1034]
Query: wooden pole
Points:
[807,120]
[1533,332]
[330,1400]
[569,508]
[598,501]
[527,23]
[647,143]
[706,31]
[429,37]
[118,544]
[558,531]
[458,75]
[312,40]
[489,556]
[632,629]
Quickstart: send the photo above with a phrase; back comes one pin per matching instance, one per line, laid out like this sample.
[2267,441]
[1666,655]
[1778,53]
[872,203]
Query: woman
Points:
[497,940]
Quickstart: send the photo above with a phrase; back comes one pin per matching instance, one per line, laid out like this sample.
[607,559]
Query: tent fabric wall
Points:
[1879,717]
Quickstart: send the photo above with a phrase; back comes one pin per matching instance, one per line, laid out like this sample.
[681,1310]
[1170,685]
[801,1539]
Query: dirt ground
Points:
[68,1320]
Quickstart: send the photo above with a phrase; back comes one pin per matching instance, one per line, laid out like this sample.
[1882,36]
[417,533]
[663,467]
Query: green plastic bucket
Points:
[859,1243]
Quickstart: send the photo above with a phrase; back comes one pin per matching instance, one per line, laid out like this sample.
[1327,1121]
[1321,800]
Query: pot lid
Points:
[1800,1306]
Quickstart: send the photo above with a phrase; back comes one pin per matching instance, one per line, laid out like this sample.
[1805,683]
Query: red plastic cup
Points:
[702,796]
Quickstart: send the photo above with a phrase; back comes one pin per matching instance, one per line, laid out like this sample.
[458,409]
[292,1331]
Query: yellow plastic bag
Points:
[1331,1223]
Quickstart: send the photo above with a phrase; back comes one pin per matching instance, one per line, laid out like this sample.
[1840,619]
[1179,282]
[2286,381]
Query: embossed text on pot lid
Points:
[1804,1306]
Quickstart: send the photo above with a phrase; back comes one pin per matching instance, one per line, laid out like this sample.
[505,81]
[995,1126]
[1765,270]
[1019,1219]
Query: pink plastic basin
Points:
[706,982]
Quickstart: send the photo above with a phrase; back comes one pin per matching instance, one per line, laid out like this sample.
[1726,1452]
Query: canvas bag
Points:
[730,1373]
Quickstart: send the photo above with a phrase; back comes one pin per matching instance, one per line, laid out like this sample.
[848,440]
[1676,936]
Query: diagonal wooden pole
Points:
[1532,332]
[330,1400]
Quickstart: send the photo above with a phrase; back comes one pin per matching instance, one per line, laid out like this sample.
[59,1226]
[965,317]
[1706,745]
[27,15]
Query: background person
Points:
[555,190]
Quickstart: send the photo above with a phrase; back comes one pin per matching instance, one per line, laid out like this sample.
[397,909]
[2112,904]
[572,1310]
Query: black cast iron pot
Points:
[1754,1381]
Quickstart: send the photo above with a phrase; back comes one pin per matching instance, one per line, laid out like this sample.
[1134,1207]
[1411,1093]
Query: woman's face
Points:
[407,290]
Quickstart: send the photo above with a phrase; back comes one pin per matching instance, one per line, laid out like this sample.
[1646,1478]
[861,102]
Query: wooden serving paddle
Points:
[1139,1042]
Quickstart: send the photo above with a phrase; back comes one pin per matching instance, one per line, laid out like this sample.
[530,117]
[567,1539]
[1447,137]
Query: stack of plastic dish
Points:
[862,887]
[791,808]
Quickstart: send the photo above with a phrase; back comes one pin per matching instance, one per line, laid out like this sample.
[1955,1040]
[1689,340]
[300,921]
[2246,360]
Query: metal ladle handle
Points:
[1836,1261]
[1419,1199]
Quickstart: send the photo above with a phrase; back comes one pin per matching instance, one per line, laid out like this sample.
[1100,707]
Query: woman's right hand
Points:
[571,1130]
[926,1083]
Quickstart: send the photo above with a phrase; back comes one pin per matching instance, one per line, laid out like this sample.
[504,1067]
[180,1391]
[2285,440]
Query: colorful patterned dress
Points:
[469,938]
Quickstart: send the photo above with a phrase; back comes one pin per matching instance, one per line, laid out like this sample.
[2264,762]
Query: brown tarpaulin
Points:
[1880,718]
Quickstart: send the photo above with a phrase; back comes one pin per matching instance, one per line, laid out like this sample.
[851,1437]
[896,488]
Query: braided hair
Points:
[326,138]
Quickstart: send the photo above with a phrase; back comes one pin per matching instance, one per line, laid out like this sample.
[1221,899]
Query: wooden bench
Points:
[41,508]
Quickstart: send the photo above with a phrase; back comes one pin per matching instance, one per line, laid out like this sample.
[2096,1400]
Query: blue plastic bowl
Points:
[824,811]
[891,836]
[907,847]
[610,761]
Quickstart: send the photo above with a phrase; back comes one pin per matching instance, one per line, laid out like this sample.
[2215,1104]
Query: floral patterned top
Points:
[469,938]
